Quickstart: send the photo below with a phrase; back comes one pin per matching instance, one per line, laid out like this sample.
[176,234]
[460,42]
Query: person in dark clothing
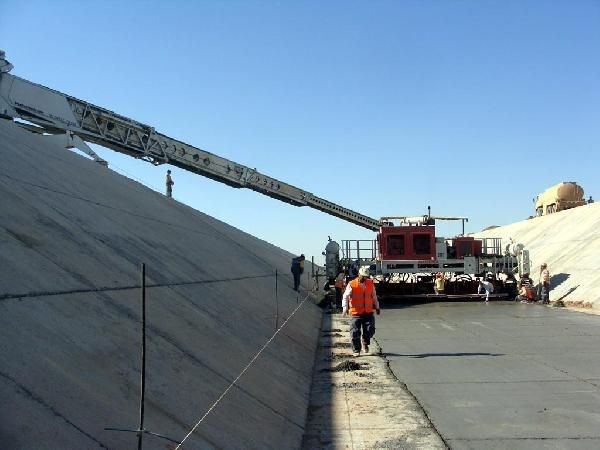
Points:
[169,184]
[297,270]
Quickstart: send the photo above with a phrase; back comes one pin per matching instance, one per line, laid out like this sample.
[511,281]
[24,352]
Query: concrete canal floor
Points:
[501,375]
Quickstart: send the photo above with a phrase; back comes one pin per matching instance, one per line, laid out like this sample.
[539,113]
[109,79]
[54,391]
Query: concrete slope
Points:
[569,242]
[72,237]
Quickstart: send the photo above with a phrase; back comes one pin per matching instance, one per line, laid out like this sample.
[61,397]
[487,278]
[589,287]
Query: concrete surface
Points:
[72,237]
[500,375]
[569,242]
[363,408]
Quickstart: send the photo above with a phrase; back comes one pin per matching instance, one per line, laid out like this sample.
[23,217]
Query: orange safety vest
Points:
[361,298]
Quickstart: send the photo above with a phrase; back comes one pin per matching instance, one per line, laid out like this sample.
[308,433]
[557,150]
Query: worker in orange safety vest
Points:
[359,301]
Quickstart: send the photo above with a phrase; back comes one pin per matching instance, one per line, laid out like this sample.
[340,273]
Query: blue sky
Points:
[384,107]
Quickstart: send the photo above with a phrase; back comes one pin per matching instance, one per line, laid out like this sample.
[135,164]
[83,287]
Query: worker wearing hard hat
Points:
[359,301]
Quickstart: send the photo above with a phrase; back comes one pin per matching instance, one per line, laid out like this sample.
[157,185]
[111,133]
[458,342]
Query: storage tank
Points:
[332,259]
[564,195]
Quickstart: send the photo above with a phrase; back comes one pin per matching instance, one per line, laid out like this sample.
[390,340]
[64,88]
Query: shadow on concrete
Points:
[319,418]
[558,279]
[429,355]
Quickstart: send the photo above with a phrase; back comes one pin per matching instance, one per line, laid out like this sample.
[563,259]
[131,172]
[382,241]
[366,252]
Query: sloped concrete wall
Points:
[569,242]
[72,237]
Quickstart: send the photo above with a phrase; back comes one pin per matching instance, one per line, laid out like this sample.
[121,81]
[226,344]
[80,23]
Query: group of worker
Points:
[527,293]
[484,286]
[356,295]
[358,301]
[525,287]
[359,298]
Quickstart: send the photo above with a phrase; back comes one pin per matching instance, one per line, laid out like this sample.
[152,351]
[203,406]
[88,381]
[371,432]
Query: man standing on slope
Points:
[359,300]
[169,184]
[297,270]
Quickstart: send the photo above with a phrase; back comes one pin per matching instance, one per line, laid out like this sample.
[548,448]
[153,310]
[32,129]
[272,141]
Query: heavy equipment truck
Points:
[561,196]
[406,249]
[406,256]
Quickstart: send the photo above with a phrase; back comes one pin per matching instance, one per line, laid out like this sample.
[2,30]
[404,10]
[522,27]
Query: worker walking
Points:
[297,270]
[544,286]
[487,287]
[438,285]
[359,301]
[169,184]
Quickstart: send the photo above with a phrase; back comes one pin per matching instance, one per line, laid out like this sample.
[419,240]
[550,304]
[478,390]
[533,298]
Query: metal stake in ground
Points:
[143,364]
[276,303]
[140,431]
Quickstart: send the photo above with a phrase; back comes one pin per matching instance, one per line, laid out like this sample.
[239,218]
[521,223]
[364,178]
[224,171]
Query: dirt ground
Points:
[357,403]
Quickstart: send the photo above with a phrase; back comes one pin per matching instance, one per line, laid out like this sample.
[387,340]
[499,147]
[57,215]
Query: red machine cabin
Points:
[407,243]
[466,246]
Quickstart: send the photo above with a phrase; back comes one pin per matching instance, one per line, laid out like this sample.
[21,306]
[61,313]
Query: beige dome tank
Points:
[564,195]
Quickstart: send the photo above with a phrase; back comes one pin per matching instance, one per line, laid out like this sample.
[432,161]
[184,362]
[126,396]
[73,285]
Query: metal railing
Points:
[360,250]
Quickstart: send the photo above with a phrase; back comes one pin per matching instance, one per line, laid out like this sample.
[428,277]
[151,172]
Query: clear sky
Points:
[384,107]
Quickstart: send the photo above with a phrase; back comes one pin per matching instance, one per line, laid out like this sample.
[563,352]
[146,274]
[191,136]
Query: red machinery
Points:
[406,242]
[406,256]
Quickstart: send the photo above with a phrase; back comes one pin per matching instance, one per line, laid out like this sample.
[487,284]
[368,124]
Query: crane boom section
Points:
[58,113]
